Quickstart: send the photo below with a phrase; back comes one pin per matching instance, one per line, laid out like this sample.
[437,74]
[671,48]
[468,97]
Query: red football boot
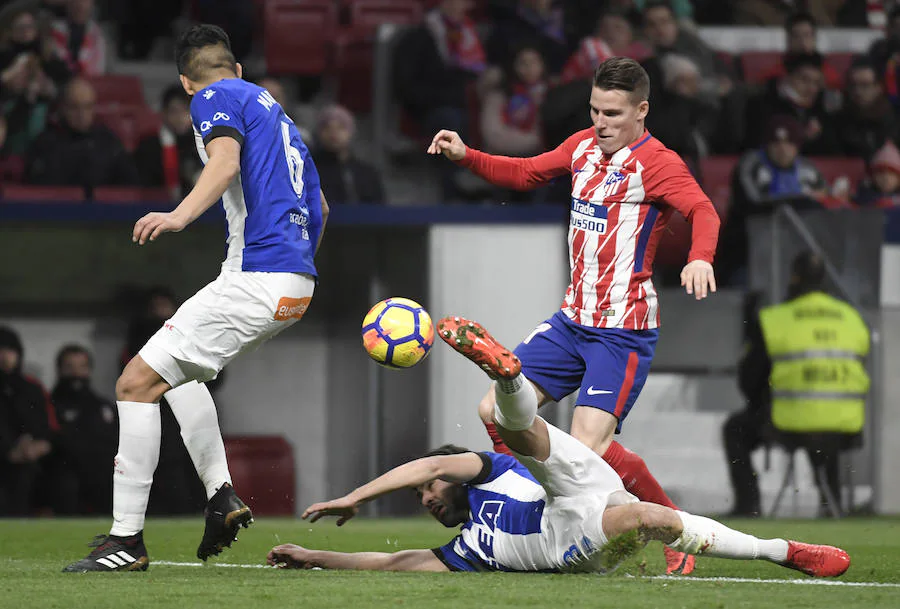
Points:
[470,339]
[815,560]
[678,563]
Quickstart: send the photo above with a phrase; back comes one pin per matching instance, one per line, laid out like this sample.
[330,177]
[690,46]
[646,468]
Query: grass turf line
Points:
[32,552]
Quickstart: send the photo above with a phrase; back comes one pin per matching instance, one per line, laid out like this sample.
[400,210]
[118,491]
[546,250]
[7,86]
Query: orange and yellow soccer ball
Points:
[397,333]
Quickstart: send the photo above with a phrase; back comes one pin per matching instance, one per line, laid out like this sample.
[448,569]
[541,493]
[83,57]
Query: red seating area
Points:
[262,467]
[756,67]
[715,177]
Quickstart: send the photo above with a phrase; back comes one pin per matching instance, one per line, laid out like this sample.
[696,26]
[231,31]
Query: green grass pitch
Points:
[32,552]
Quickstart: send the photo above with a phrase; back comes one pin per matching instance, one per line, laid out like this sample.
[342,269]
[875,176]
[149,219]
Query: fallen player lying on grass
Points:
[557,506]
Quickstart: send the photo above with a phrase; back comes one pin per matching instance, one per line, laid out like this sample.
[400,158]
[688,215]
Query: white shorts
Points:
[234,314]
[580,485]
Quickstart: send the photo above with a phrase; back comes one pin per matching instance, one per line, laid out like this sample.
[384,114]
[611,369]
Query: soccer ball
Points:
[397,333]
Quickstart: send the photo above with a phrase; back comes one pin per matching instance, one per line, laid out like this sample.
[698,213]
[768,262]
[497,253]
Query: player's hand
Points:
[154,224]
[698,279]
[449,144]
[344,508]
[290,556]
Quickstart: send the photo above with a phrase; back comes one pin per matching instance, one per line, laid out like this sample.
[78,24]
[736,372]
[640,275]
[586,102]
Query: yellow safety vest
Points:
[817,344]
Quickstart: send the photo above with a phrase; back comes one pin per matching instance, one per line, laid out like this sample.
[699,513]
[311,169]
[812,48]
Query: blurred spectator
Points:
[79,152]
[79,39]
[12,167]
[169,158]
[27,423]
[763,177]
[777,12]
[667,36]
[803,376]
[294,112]
[154,308]
[55,8]
[88,436]
[867,119]
[237,17]
[534,22]
[883,49]
[682,9]
[140,23]
[434,65]
[679,118]
[882,187]
[800,37]
[510,113]
[29,75]
[799,93]
[613,38]
[344,177]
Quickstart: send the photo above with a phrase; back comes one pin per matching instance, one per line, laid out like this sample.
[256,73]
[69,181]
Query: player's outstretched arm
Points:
[508,172]
[223,166]
[452,468]
[290,556]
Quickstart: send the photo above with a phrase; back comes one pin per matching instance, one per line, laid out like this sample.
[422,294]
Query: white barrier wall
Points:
[509,278]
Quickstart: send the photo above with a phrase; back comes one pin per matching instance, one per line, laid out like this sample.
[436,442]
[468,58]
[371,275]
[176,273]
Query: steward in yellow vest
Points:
[802,373]
[816,344]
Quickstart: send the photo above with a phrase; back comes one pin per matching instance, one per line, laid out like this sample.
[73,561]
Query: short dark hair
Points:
[650,4]
[192,62]
[795,61]
[446,449]
[73,349]
[173,93]
[799,17]
[808,271]
[623,74]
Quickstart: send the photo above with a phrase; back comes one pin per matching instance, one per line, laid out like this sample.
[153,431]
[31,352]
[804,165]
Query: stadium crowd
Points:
[511,76]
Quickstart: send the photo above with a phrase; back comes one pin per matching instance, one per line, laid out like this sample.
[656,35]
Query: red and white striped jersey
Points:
[620,205]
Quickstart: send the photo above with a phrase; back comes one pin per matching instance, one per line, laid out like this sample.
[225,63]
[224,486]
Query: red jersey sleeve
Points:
[522,173]
[667,180]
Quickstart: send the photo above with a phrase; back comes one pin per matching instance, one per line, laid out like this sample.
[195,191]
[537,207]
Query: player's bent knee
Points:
[655,521]
[486,407]
[140,383]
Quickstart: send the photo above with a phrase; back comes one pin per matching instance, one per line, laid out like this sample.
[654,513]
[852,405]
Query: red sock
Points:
[635,476]
[499,445]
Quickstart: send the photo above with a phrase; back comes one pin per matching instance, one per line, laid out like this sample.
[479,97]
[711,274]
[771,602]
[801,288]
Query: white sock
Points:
[195,412]
[140,430]
[706,536]
[517,403]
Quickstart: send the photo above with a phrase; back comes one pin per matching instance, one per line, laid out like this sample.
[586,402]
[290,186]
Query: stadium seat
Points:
[127,194]
[41,194]
[758,66]
[832,168]
[299,35]
[262,468]
[840,63]
[129,123]
[118,90]
[715,177]
[354,47]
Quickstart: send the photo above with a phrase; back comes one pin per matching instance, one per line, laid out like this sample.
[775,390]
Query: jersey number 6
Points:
[294,160]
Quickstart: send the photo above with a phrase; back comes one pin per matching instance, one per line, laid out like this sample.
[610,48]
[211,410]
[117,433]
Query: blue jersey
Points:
[273,210]
[505,502]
